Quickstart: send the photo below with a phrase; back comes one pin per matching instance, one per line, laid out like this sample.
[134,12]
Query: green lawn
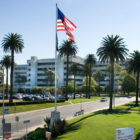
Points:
[78,100]
[129,106]
[24,108]
[101,125]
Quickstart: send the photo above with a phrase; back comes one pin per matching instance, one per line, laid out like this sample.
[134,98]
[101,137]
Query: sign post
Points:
[26,122]
[125,133]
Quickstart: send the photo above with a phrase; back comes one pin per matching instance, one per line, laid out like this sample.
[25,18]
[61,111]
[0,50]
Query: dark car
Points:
[27,98]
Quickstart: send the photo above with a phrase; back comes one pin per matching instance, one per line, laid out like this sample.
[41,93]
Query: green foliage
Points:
[59,127]
[52,90]
[70,88]
[99,88]
[86,81]
[38,134]
[37,90]
[128,84]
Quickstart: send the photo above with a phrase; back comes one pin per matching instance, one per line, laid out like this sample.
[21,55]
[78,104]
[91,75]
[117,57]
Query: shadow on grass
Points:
[138,136]
[105,112]
[76,125]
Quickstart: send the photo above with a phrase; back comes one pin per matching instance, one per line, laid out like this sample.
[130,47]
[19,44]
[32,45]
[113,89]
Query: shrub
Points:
[38,134]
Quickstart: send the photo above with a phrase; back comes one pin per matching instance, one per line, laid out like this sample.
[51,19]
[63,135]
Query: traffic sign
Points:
[27,121]
[7,135]
[6,111]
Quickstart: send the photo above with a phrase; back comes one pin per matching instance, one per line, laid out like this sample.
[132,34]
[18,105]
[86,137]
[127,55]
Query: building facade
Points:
[35,75]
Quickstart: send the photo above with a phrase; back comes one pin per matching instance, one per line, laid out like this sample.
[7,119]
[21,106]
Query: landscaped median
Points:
[101,125]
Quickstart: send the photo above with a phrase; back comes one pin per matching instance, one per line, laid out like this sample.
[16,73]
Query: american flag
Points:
[64,24]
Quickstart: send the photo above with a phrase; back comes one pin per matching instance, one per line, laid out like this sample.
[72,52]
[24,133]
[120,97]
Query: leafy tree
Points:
[70,88]
[99,77]
[112,50]
[90,61]
[67,49]
[93,85]
[85,71]
[52,90]
[50,77]
[75,69]
[37,90]
[128,84]
[20,79]
[6,63]
[12,42]
[133,65]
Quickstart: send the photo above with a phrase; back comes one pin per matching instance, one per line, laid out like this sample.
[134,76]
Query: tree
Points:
[133,65]
[112,50]
[74,69]
[93,84]
[50,77]
[99,77]
[20,79]
[128,84]
[6,63]
[85,71]
[37,90]
[90,61]
[12,42]
[67,49]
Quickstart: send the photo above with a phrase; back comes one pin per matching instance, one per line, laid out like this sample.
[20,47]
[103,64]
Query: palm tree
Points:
[74,69]
[90,61]
[67,49]
[13,43]
[133,65]
[99,76]
[112,50]
[6,62]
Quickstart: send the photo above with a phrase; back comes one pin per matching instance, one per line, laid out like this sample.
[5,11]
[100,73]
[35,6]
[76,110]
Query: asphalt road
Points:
[67,112]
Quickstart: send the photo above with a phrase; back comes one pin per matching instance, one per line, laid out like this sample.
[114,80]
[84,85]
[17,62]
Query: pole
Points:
[3,120]
[56,60]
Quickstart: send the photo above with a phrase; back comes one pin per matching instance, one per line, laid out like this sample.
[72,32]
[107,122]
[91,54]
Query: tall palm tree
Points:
[133,65]
[112,50]
[6,63]
[75,69]
[13,43]
[67,49]
[90,61]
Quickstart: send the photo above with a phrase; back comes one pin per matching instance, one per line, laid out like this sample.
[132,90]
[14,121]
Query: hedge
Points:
[32,102]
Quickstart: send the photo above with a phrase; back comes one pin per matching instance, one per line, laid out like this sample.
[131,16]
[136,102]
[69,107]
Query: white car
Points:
[104,99]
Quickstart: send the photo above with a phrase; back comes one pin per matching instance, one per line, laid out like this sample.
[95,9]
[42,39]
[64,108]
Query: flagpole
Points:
[56,61]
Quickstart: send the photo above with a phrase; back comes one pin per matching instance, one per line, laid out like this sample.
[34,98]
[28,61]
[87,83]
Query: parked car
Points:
[60,97]
[27,98]
[104,99]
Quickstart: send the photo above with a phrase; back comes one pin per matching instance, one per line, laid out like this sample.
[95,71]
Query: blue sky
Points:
[35,21]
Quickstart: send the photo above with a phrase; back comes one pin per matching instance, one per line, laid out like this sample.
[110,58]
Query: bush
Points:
[38,134]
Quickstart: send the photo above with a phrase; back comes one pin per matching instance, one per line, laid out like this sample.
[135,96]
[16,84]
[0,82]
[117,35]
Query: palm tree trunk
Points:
[6,83]
[67,77]
[111,85]
[89,81]
[137,89]
[11,76]
[74,87]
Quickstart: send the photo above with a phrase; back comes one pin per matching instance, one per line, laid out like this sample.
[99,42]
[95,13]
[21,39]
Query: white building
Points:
[34,71]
